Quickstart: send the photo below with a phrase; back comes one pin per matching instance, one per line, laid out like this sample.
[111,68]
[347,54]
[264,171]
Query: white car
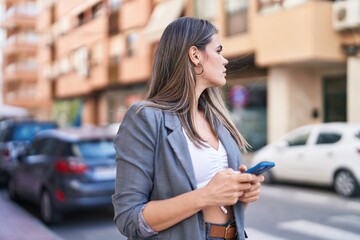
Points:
[325,154]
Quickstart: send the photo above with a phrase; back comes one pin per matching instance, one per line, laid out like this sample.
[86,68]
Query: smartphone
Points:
[261,168]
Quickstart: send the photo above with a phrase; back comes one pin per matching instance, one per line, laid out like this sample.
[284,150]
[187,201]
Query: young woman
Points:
[178,153]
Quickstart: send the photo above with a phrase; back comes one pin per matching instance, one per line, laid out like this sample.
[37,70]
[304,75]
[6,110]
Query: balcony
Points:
[20,48]
[22,16]
[23,72]
[129,20]
[21,95]
[300,33]
[130,58]
[21,43]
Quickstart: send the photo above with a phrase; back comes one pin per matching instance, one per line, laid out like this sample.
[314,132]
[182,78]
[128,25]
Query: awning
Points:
[7,111]
[164,13]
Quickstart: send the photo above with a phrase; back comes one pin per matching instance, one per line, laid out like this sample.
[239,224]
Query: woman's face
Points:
[214,65]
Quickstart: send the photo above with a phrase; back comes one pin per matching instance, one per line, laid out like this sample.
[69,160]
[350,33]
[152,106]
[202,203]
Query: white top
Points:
[206,161]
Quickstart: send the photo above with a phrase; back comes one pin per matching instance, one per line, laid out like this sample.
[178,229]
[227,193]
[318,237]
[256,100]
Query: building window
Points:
[81,61]
[206,9]
[131,40]
[97,10]
[81,18]
[236,17]
[114,5]
[97,54]
[334,95]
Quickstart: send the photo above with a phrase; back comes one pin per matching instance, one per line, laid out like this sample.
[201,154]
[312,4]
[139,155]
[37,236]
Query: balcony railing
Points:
[27,38]
[268,6]
[29,9]
[21,66]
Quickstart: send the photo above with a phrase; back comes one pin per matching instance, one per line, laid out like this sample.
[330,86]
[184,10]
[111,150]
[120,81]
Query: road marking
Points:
[254,234]
[312,198]
[353,205]
[318,230]
[351,220]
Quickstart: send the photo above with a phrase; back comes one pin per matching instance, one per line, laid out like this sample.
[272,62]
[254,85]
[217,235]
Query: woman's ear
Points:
[194,55]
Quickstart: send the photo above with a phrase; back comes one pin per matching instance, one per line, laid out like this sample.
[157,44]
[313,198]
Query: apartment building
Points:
[287,65]
[19,67]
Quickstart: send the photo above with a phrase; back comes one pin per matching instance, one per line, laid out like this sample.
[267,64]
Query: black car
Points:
[65,170]
[15,134]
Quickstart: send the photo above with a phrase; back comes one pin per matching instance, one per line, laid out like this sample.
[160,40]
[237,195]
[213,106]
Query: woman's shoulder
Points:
[144,109]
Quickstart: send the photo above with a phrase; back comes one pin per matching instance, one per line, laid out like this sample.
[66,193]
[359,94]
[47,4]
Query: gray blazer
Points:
[154,163]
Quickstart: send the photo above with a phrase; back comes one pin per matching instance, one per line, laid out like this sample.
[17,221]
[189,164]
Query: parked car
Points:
[65,170]
[15,134]
[322,154]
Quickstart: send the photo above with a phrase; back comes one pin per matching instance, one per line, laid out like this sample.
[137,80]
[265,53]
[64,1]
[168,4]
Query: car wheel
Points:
[11,189]
[345,184]
[49,214]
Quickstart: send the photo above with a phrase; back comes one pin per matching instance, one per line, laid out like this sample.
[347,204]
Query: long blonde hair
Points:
[172,86]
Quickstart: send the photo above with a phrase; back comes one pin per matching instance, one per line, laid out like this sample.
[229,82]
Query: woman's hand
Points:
[228,186]
[253,193]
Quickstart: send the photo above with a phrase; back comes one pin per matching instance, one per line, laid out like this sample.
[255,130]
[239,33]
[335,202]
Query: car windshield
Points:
[95,149]
[26,131]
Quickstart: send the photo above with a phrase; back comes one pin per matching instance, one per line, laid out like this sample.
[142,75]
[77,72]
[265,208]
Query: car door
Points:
[291,157]
[320,160]
[25,180]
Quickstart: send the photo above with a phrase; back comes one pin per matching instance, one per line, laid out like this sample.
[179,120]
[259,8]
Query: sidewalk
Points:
[17,224]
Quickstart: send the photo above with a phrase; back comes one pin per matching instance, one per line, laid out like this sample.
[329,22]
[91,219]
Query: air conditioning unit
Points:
[346,14]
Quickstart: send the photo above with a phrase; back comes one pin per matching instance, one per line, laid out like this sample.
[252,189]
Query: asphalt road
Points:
[288,212]
[284,212]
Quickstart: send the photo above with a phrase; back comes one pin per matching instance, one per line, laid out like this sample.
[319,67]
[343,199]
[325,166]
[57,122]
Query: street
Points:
[284,211]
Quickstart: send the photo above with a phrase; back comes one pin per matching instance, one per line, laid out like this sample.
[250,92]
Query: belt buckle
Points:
[226,232]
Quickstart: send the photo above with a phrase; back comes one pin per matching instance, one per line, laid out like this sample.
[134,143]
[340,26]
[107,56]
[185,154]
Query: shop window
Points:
[236,16]
[247,105]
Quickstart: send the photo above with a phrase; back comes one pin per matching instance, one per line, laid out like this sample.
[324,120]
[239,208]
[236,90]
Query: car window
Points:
[94,149]
[26,131]
[4,133]
[50,147]
[37,146]
[298,139]
[328,138]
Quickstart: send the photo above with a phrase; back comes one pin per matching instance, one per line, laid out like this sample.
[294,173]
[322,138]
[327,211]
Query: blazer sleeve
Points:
[135,145]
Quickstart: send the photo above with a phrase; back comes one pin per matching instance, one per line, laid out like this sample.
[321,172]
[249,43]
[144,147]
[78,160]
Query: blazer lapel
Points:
[179,144]
[230,146]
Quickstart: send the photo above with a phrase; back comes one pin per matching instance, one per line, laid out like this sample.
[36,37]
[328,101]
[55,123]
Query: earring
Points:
[202,69]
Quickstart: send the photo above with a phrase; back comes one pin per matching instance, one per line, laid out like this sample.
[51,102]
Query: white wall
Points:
[353,88]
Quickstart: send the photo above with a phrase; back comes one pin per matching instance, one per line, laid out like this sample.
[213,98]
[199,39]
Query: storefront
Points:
[246,98]
[119,100]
